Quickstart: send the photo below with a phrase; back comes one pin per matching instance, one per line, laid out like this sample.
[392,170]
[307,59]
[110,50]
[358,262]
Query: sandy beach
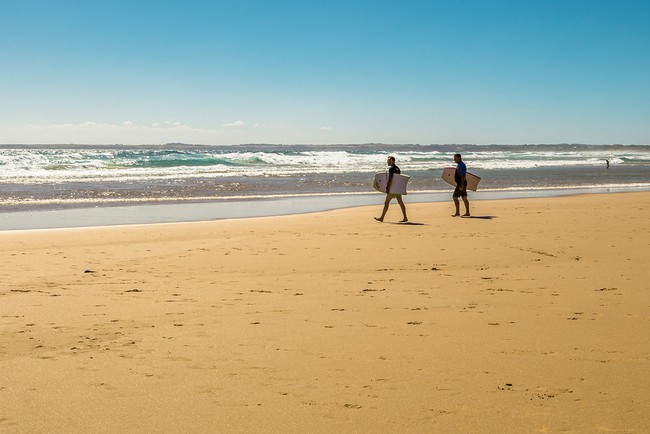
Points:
[534,316]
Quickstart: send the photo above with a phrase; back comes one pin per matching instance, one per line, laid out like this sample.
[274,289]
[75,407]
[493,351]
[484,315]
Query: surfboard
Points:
[472,180]
[397,186]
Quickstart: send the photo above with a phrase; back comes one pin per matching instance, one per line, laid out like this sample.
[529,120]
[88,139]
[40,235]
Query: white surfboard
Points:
[397,185]
[472,180]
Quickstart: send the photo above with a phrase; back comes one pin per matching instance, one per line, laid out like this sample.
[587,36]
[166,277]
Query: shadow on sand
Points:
[482,217]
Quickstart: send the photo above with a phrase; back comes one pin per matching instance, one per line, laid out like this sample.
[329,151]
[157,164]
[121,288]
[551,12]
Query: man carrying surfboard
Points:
[461,186]
[393,169]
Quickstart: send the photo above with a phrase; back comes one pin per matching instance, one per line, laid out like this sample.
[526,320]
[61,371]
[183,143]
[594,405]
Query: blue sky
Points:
[253,71]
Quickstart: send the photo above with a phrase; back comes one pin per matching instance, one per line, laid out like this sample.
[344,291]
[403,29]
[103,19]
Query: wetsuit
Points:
[391,171]
[461,170]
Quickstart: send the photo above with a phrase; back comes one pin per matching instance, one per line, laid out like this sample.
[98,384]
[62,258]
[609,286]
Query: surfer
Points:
[461,186]
[607,163]
[393,169]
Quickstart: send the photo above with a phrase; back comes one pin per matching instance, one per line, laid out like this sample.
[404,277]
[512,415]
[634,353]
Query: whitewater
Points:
[60,176]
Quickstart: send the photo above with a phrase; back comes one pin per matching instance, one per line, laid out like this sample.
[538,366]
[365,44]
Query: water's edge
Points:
[220,210]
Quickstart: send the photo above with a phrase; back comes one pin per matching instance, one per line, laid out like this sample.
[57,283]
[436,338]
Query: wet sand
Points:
[532,317]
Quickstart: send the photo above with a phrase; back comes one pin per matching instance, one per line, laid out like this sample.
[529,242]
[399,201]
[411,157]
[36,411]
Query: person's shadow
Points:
[482,217]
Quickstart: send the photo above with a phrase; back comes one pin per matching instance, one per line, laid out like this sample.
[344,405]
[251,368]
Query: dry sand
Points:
[534,318]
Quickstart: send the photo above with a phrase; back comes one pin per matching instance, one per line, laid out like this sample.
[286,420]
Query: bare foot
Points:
[455,215]
[404,221]
[466,215]
[379,219]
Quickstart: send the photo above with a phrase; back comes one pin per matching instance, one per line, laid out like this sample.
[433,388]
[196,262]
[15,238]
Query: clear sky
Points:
[325,71]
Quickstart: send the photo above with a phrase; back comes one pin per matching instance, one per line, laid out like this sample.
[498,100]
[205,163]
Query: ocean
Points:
[81,176]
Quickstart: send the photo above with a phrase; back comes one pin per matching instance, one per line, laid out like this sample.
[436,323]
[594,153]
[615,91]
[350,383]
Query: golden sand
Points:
[533,318]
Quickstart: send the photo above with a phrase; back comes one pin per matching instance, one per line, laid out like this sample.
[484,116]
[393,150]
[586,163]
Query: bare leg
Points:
[457,203]
[401,205]
[383,213]
[466,202]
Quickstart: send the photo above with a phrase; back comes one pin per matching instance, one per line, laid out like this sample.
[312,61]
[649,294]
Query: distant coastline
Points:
[364,146]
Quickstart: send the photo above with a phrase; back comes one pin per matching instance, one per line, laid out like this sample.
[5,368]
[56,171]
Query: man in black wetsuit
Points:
[461,186]
[391,171]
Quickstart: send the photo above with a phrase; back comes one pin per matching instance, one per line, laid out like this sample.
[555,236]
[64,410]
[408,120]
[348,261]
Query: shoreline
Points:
[190,211]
